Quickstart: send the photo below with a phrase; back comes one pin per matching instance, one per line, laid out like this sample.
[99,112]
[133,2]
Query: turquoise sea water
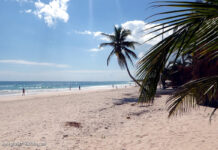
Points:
[15,87]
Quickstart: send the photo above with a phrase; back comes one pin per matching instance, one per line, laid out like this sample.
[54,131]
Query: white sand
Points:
[40,119]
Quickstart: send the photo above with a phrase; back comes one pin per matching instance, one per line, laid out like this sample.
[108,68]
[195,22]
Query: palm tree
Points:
[195,27]
[121,48]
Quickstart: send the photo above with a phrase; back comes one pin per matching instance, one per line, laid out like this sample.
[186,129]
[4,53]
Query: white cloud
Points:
[96,49]
[97,34]
[86,32]
[24,62]
[53,11]
[140,32]
[28,11]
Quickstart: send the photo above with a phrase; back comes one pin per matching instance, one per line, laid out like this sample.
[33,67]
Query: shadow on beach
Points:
[134,99]
[126,101]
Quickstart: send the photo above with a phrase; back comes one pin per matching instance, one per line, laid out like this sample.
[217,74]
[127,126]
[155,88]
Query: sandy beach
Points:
[101,120]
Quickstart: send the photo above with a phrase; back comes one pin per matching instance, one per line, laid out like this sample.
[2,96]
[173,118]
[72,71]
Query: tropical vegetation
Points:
[194,32]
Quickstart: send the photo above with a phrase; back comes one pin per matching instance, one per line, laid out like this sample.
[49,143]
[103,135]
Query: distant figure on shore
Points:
[23,92]
[79,87]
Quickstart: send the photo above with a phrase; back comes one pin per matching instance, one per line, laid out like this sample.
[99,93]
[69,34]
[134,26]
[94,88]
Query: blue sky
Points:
[58,39]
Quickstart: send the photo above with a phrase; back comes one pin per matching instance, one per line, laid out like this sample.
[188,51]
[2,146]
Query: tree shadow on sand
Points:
[134,99]
[126,101]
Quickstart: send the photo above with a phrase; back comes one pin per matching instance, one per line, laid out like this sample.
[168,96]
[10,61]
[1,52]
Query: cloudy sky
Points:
[58,39]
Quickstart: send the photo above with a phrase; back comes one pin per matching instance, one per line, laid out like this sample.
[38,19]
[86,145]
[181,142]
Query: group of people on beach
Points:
[79,87]
[24,91]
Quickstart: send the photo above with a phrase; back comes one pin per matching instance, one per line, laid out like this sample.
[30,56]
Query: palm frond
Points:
[117,33]
[129,58]
[109,36]
[106,44]
[109,57]
[202,91]
[124,34]
[130,44]
[197,31]
[152,64]
[121,60]
[131,53]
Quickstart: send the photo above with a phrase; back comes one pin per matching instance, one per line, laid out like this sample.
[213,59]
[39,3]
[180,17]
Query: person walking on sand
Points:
[23,92]
[79,87]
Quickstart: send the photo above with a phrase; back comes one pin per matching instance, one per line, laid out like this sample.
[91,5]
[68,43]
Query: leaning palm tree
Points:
[121,48]
[194,28]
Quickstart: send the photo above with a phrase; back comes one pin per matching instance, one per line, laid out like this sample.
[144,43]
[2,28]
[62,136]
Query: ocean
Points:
[34,87]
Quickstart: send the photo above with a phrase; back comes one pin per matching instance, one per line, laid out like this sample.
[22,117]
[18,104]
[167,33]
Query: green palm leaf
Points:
[194,31]
[188,95]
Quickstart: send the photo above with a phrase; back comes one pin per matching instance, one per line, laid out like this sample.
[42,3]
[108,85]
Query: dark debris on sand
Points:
[73,124]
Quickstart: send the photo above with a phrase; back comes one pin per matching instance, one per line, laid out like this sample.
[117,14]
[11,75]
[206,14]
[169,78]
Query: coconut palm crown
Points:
[121,47]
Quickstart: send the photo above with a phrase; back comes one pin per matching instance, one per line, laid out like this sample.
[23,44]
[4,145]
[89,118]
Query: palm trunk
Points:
[132,76]
[143,89]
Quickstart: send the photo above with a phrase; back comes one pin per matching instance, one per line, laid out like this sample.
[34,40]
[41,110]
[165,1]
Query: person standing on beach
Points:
[79,87]
[23,92]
